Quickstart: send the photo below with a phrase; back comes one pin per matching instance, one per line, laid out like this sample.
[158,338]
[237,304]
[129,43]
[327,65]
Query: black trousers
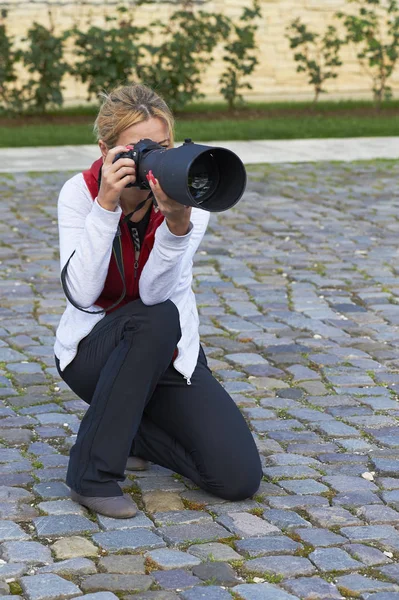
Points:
[140,404]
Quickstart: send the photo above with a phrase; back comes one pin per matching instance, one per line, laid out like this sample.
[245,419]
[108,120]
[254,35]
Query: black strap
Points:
[117,252]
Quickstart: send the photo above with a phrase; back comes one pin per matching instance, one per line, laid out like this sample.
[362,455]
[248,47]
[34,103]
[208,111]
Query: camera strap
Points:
[117,252]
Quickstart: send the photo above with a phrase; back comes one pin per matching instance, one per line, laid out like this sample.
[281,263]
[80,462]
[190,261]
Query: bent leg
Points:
[199,432]
[126,382]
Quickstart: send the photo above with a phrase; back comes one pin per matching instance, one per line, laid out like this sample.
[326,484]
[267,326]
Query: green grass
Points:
[329,120]
[322,106]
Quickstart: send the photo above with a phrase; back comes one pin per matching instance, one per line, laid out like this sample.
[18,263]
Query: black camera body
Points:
[206,177]
[137,153]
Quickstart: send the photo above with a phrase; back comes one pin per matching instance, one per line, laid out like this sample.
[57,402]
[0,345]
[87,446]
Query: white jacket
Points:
[89,229]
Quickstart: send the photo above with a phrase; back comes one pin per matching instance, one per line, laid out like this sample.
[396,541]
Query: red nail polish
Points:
[130,147]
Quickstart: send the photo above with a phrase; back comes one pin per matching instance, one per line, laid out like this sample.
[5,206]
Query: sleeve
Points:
[169,266]
[88,229]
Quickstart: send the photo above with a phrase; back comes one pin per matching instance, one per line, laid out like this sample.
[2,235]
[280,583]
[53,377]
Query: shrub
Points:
[318,56]
[43,59]
[175,65]
[375,29]
[7,70]
[108,56]
[240,56]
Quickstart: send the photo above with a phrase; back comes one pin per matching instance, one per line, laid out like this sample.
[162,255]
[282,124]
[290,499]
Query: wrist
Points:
[106,204]
[180,227]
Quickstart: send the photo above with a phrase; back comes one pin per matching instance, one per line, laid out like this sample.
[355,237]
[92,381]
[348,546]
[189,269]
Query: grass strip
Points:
[288,128]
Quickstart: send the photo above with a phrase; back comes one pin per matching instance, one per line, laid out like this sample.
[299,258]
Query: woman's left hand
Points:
[177,216]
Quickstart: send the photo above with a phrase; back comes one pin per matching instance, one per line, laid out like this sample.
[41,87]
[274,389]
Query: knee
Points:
[164,316]
[161,320]
[244,486]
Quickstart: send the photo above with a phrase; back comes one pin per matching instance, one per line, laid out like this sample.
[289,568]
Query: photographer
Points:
[128,342]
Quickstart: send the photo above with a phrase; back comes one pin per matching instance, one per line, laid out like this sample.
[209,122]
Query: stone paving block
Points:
[175,579]
[52,490]
[128,539]
[115,582]
[356,499]
[48,587]
[297,502]
[13,570]
[128,564]
[333,559]
[285,519]
[181,517]
[376,514]
[391,498]
[219,573]
[30,552]
[214,551]
[304,486]
[320,537]
[336,429]
[312,588]
[267,546]
[262,591]
[235,507]
[14,495]
[158,595]
[10,531]
[291,459]
[69,524]
[287,566]
[367,554]
[72,566]
[382,596]
[332,516]
[289,471]
[10,455]
[62,507]
[341,483]
[17,512]
[209,592]
[359,584]
[176,535]
[165,484]
[247,525]
[4,588]
[100,596]
[160,501]
[172,559]
[139,520]
[369,533]
[73,546]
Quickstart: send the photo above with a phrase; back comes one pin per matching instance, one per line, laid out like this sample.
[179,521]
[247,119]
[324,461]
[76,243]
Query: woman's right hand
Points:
[114,177]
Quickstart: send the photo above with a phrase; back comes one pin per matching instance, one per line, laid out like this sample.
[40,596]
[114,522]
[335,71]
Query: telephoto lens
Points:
[206,177]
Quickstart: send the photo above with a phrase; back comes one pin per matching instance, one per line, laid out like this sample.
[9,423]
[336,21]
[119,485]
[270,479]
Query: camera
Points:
[206,177]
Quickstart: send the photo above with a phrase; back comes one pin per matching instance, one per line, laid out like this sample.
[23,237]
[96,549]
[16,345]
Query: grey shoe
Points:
[118,507]
[135,463]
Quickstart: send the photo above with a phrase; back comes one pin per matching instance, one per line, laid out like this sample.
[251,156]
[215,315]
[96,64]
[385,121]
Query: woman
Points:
[136,358]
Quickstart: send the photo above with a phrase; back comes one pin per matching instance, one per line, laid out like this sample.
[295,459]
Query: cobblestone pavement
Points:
[298,289]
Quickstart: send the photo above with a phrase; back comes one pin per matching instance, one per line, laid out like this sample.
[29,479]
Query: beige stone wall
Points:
[275,77]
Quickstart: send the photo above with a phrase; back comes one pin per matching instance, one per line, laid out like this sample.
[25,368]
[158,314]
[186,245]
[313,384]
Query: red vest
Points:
[113,284]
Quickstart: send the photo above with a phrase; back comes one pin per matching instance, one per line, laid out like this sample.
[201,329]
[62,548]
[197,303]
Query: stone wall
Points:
[274,79]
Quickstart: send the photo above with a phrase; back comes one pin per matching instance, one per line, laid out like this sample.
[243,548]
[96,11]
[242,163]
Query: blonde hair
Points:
[126,106]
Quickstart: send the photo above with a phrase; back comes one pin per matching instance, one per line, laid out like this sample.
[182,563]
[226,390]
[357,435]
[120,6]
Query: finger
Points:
[121,162]
[113,152]
[124,171]
[119,185]
[156,189]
